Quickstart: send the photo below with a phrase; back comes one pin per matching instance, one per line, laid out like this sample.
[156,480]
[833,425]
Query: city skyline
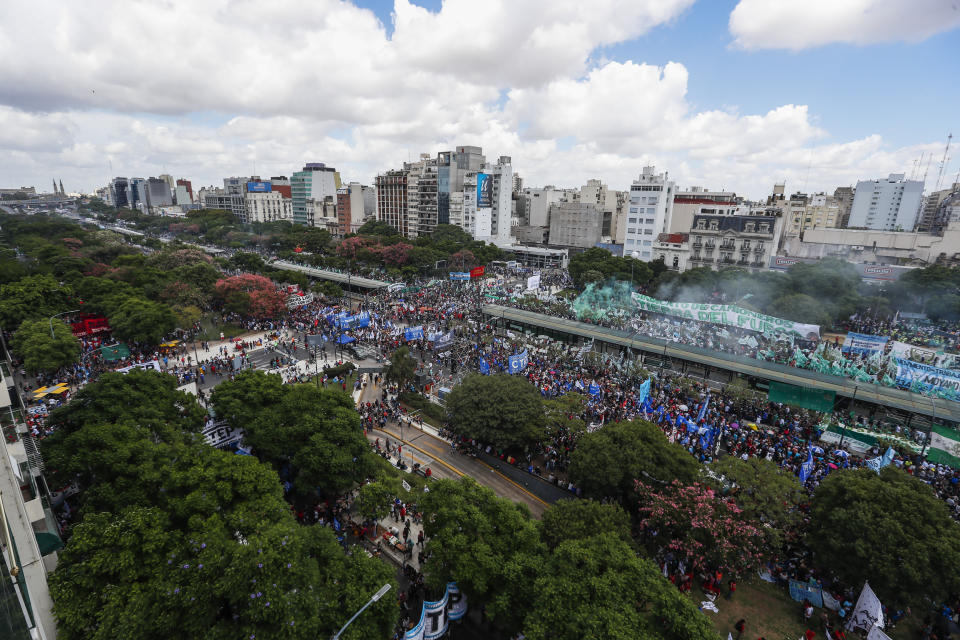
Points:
[721,95]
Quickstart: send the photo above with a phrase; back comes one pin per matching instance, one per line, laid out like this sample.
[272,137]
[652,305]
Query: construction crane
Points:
[943,163]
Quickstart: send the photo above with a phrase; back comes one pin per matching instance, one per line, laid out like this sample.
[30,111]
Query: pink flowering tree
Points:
[349,247]
[256,295]
[706,531]
[394,255]
[463,260]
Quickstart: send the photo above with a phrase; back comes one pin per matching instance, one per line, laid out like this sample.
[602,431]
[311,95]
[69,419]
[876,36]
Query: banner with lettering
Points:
[517,363]
[435,616]
[727,315]
[863,343]
[413,333]
[922,377]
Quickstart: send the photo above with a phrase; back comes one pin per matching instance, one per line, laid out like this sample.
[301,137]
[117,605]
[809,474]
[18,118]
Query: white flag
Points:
[876,634]
[868,613]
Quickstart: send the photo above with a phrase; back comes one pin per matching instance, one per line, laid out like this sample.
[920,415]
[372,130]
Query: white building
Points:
[888,205]
[648,212]
[495,189]
[878,247]
[673,249]
[269,206]
[536,204]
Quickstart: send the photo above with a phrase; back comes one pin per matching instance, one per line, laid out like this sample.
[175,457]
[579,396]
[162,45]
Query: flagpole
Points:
[933,405]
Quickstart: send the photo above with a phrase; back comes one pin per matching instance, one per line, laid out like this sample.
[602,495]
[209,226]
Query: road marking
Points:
[516,484]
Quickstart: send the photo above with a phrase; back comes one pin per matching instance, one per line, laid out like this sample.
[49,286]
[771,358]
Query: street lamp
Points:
[59,314]
[379,594]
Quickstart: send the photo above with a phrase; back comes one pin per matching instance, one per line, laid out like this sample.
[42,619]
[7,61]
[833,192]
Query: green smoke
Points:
[603,300]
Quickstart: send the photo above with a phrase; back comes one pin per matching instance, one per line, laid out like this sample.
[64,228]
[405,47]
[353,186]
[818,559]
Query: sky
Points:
[723,94]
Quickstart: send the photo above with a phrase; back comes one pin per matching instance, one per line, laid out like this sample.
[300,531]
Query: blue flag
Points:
[703,409]
[594,389]
[807,467]
[517,363]
[643,392]
[413,333]
[484,367]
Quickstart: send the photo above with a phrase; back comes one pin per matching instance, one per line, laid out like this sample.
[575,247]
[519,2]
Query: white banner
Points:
[220,435]
[729,315]
[925,355]
[533,282]
[152,364]
[868,613]
[863,343]
[876,634]
[436,616]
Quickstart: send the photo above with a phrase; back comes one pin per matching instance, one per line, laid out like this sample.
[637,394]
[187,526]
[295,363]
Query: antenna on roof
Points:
[943,163]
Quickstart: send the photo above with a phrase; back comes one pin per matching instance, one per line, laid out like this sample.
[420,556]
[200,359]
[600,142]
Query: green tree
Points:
[314,432]
[889,529]
[489,545]
[579,519]
[765,492]
[596,588]
[606,462]
[142,320]
[149,398]
[402,368]
[44,352]
[943,307]
[506,411]
[375,227]
[801,307]
[374,500]
[33,297]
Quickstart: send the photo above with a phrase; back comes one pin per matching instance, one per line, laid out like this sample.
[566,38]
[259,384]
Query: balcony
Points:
[758,249]
[743,262]
[728,246]
[710,246]
[758,263]
[726,260]
[698,243]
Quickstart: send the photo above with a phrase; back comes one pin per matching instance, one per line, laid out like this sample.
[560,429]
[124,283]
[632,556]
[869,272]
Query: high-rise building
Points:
[422,209]
[494,192]
[156,193]
[119,192]
[351,208]
[310,187]
[844,198]
[135,193]
[184,191]
[392,199]
[281,184]
[610,202]
[931,204]
[648,213]
[452,168]
[891,205]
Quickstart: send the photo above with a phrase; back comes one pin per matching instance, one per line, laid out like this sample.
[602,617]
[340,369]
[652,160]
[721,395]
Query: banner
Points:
[728,315]
[805,397]
[476,272]
[868,613]
[295,301]
[152,364]
[924,355]
[484,367]
[443,340]
[533,282]
[863,343]
[944,446]
[396,286]
[460,276]
[413,333]
[921,377]
[518,362]
[435,617]
[801,591]
[220,435]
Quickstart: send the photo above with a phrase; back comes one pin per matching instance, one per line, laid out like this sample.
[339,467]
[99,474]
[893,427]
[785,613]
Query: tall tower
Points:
[55,192]
[61,188]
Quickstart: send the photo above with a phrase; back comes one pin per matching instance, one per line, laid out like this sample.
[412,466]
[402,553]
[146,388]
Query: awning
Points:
[172,343]
[115,352]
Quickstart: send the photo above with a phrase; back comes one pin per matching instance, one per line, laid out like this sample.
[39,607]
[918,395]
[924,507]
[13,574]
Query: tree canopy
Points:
[44,352]
[504,410]
[889,529]
[606,462]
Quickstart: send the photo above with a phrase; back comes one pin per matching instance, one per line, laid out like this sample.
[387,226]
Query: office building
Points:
[156,193]
[844,199]
[930,218]
[184,192]
[392,199]
[309,189]
[648,212]
[119,192]
[887,205]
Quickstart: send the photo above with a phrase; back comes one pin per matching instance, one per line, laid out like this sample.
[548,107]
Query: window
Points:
[713,225]
[648,232]
[764,227]
[649,220]
[632,221]
[647,243]
[701,225]
[633,209]
[750,227]
[650,211]
[630,242]
[631,230]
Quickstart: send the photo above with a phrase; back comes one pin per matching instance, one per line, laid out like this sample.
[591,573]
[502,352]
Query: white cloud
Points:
[788,24]
[215,88]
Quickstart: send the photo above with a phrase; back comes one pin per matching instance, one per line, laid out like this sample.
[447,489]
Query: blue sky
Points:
[731,93]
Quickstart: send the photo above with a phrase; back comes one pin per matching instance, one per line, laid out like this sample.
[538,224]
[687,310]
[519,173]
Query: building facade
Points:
[673,249]
[698,200]
[733,241]
[269,206]
[392,199]
[575,224]
[886,205]
[310,187]
[648,212]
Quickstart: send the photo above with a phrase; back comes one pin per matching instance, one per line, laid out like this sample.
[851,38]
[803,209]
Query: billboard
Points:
[258,187]
[862,343]
[484,191]
[476,272]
